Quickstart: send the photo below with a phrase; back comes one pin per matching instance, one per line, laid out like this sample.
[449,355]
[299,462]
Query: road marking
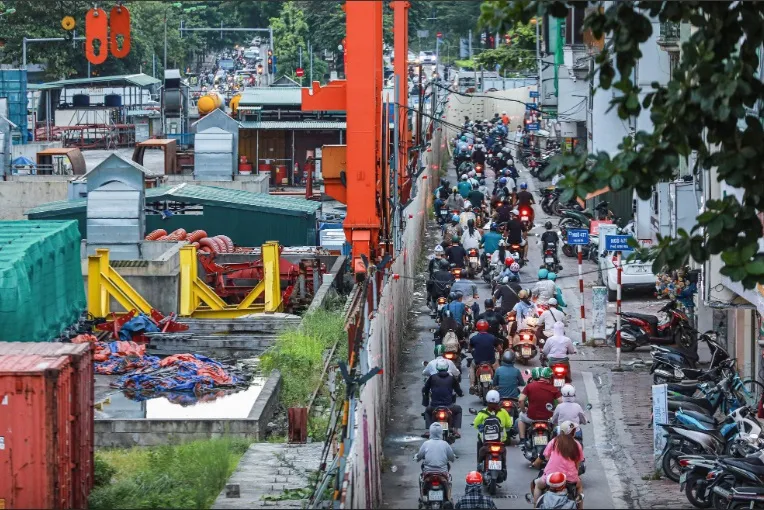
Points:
[600,438]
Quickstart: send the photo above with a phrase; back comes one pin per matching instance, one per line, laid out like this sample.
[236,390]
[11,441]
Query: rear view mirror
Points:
[527,372]
[549,407]
[588,407]
[472,410]
[424,363]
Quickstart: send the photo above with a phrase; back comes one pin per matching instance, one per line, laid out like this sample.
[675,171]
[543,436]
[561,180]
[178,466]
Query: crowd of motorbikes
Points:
[519,331]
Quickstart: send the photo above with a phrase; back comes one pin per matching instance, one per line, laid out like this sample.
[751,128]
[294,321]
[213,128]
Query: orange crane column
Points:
[364,96]
[401,48]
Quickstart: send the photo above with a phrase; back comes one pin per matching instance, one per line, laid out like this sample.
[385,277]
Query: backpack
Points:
[451,342]
[492,428]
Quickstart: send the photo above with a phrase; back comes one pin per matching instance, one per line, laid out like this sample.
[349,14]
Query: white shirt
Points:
[550,316]
[464,218]
[469,241]
[518,135]
[431,370]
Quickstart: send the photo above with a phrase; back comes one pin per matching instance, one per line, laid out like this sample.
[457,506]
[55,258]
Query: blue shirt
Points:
[508,380]
[523,310]
[484,348]
[491,241]
[464,188]
[457,310]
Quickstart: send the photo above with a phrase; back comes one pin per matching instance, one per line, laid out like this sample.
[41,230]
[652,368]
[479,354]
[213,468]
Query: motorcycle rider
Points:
[452,230]
[569,409]
[478,153]
[523,308]
[563,454]
[534,398]
[457,308]
[490,243]
[550,236]
[464,186]
[473,498]
[494,319]
[556,495]
[493,409]
[438,254]
[431,368]
[440,283]
[471,238]
[503,214]
[508,379]
[558,346]
[507,293]
[516,233]
[476,198]
[557,290]
[548,318]
[483,346]
[436,454]
[439,391]
[456,253]
[469,291]
[455,202]
[544,289]
[466,215]
[511,270]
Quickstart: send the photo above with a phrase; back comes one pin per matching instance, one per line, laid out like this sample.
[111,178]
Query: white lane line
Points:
[600,438]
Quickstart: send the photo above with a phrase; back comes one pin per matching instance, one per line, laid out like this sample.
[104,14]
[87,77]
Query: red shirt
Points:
[539,395]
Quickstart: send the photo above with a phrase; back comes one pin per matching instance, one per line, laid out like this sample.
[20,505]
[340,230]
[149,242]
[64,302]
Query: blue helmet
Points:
[455,217]
[464,138]
[523,185]
[552,276]
[503,181]
[494,227]
[543,273]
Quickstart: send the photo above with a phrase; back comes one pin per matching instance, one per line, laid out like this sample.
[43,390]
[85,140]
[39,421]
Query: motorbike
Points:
[560,374]
[441,303]
[526,217]
[434,486]
[516,251]
[444,416]
[510,405]
[479,171]
[641,329]
[550,257]
[689,359]
[455,358]
[473,264]
[548,197]
[443,215]
[494,471]
[525,349]
[539,436]
[693,480]
[732,473]
[484,379]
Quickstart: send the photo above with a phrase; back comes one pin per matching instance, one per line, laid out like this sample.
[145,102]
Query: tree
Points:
[706,115]
[519,55]
[289,32]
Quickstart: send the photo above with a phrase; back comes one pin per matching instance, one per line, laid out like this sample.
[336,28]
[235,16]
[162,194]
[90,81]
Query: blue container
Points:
[13,86]
[112,100]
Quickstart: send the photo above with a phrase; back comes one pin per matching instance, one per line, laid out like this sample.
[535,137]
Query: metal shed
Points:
[249,219]
[220,119]
[213,150]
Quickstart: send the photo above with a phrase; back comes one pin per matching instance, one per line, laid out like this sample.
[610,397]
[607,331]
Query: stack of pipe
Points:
[217,244]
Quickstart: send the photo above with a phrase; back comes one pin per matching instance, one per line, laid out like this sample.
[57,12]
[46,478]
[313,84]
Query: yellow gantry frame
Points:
[198,300]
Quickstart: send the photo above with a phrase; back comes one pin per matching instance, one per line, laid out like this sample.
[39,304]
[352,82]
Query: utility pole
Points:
[469,41]
[165,39]
[538,58]
[310,50]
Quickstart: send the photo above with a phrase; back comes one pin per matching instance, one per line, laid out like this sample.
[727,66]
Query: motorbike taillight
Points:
[442,415]
[559,370]
[548,252]
[435,482]
[495,448]
[526,337]
[449,355]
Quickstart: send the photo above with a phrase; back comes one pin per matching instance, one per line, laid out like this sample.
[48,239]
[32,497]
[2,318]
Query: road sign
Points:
[531,106]
[532,127]
[534,93]
[299,72]
[439,35]
[594,226]
[578,236]
[617,243]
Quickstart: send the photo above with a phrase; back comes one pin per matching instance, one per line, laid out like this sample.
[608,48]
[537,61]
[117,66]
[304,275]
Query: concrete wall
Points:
[19,193]
[116,433]
[30,149]
[483,107]
[251,183]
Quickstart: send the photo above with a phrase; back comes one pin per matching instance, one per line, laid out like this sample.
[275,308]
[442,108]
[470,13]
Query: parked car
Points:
[427,57]
[635,275]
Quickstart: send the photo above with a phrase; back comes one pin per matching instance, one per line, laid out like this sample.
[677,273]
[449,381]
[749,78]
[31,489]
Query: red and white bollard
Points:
[619,270]
[581,290]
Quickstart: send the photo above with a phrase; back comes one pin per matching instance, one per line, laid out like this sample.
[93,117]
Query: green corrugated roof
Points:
[288,124]
[136,80]
[205,195]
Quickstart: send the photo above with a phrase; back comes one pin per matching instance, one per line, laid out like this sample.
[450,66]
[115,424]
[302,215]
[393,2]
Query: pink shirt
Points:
[557,462]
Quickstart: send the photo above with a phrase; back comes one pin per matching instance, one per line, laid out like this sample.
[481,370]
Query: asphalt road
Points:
[400,480]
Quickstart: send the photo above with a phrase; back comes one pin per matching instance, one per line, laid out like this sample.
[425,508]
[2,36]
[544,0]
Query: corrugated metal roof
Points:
[288,124]
[257,96]
[205,195]
[136,80]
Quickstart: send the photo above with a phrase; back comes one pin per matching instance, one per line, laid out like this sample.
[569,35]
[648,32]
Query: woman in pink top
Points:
[564,454]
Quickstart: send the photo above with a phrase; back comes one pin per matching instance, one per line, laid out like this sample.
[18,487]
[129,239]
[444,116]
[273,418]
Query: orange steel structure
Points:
[401,48]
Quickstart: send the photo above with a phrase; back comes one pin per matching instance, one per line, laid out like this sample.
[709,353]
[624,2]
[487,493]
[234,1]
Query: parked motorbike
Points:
[693,480]
[642,329]
[732,473]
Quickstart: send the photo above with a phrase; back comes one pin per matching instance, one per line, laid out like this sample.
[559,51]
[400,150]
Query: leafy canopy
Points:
[706,116]
[519,55]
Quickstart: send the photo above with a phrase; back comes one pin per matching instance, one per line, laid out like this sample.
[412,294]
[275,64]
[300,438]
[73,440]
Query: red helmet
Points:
[509,261]
[556,480]
[482,325]
[474,478]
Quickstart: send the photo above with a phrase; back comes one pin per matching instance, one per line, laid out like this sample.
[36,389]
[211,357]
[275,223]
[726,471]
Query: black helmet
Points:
[488,303]
[459,294]
[548,225]
[444,265]
[452,296]
[508,357]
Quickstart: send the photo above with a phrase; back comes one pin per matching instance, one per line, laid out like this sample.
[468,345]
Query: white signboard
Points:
[660,416]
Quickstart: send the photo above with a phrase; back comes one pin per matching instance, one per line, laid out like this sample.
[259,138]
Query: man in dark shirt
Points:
[483,348]
[507,293]
[550,236]
[504,212]
[456,253]
[494,319]
[439,391]
[525,197]
[515,233]
[441,282]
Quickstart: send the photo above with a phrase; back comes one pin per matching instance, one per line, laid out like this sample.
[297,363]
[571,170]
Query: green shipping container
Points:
[41,286]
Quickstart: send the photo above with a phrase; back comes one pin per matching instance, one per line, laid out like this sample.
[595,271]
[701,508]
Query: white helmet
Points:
[514,267]
[493,397]
[467,205]
[503,113]
[568,390]
[505,280]
[439,249]
[464,177]
[502,243]
[552,302]
[471,173]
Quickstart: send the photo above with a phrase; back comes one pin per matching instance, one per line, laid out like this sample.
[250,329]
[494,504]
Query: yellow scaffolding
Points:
[198,300]
[104,282]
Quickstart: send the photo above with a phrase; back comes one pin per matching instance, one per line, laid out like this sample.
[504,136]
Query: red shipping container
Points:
[35,432]
[81,357]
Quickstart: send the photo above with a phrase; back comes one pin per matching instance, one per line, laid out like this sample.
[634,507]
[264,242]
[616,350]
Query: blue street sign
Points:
[532,127]
[578,236]
[617,243]
[531,106]
[534,93]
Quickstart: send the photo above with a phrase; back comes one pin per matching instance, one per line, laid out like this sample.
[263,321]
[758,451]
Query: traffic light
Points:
[270,52]
[270,64]
[507,39]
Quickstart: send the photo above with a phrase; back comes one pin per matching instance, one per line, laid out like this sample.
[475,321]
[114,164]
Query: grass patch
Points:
[299,355]
[190,475]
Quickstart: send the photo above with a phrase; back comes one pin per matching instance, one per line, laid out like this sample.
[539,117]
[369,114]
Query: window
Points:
[574,25]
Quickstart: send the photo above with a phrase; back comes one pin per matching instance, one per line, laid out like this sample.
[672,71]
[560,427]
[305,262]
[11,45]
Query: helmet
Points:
[471,173]
[568,390]
[494,227]
[488,303]
[552,302]
[493,397]
[503,181]
[464,177]
[482,325]
[455,239]
[523,185]
[438,249]
[514,267]
[552,276]
[455,189]
[545,373]
[543,273]
[556,480]
[467,205]
[439,350]
[503,113]
[515,212]
[455,218]
[441,365]
[444,265]
[502,242]
[508,357]
[505,280]
[474,478]
[567,427]
[522,294]
[452,296]
[509,261]
[535,373]
[548,225]
[464,138]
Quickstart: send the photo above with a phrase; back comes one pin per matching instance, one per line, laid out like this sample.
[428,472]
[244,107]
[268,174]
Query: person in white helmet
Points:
[549,317]
[569,409]
[466,215]
[492,423]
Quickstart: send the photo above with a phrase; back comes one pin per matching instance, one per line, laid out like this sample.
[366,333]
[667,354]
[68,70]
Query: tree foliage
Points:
[707,115]
[519,55]
[289,31]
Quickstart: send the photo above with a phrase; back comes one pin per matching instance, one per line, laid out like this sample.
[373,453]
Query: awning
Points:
[296,125]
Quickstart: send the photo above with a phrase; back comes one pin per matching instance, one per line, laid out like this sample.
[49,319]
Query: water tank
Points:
[81,100]
[112,100]
[210,102]
[234,104]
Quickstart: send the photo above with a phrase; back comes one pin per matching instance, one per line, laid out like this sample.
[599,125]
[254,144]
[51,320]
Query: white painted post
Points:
[660,416]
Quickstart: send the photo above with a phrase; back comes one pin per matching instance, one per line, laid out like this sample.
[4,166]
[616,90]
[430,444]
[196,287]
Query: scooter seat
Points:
[650,319]
[690,355]
[700,402]
[753,465]
[683,388]
[706,419]
[674,405]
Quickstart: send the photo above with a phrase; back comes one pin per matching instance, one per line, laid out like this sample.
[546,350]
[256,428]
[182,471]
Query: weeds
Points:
[190,475]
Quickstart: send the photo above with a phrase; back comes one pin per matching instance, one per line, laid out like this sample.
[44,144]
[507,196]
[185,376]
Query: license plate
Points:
[494,465]
[435,496]
[540,440]
[440,307]
[549,260]
[473,260]
[443,425]
[722,492]
[559,383]
[485,377]
[526,351]
[640,269]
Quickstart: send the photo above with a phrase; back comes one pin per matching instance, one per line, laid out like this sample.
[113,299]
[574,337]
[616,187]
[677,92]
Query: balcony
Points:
[668,38]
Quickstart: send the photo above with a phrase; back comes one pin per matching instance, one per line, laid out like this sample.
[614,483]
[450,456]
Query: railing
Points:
[669,34]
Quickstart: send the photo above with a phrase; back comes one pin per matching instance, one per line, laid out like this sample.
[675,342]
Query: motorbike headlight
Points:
[679,374]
